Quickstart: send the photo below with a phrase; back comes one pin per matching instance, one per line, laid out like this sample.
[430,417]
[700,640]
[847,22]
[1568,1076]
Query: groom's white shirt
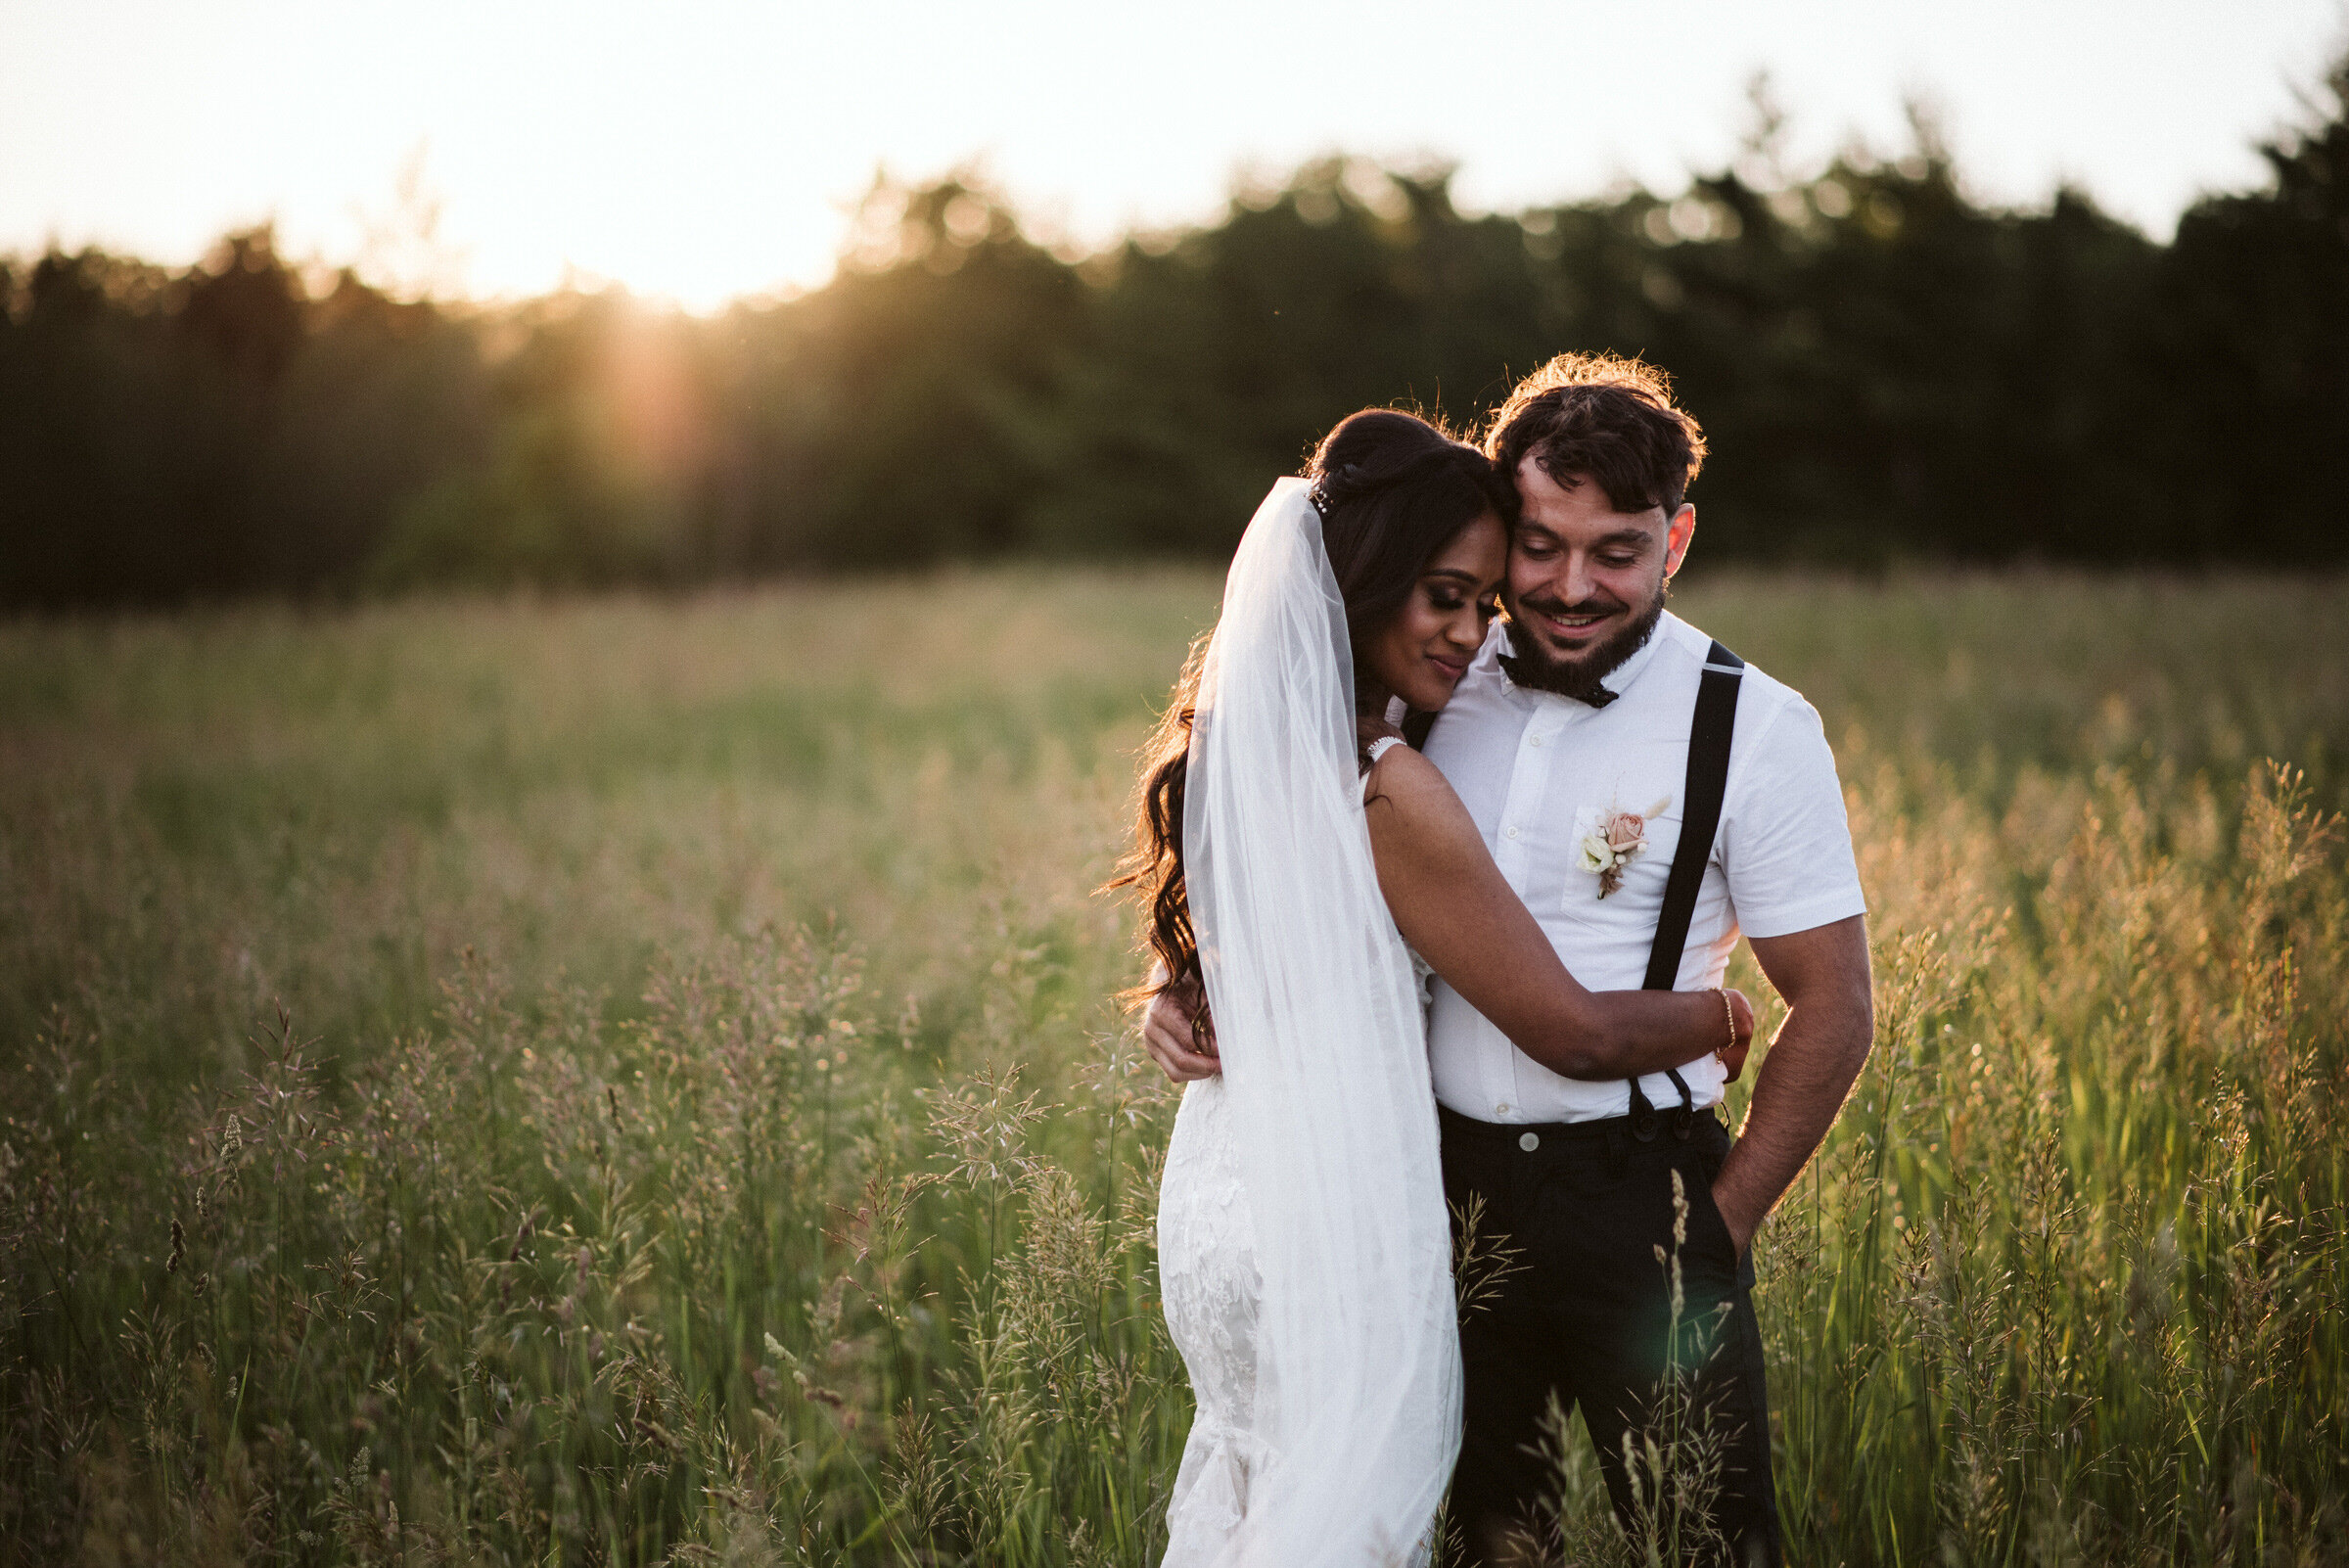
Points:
[1537,772]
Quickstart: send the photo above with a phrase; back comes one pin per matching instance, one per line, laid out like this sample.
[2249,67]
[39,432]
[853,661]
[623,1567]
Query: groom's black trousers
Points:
[1585,1315]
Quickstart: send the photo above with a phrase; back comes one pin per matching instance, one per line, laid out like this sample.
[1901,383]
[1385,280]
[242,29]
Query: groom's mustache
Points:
[1605,606]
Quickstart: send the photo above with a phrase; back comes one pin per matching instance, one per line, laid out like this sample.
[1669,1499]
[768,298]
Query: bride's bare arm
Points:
[1460,913]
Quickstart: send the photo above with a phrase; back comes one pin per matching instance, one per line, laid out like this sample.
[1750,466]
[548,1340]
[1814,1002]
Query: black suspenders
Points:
[1709,733]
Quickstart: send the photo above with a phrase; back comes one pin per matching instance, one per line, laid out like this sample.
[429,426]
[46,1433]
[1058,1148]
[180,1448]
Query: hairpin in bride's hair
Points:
[1344,476]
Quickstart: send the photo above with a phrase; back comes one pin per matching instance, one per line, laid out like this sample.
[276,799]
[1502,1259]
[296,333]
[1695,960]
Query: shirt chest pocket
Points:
[1618,859]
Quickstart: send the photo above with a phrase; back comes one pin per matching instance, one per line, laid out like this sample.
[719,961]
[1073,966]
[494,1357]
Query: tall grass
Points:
[697,1129]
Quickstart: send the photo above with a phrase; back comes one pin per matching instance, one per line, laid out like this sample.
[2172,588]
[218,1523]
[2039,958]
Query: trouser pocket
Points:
[1709,1149]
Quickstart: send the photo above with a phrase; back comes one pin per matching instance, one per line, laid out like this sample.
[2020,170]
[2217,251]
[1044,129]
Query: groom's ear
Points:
[1677,535]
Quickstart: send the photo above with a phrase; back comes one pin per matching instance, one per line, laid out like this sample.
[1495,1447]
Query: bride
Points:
[1291,875]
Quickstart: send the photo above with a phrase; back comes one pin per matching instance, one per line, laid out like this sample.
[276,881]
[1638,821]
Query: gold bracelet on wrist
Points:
[1729,1008]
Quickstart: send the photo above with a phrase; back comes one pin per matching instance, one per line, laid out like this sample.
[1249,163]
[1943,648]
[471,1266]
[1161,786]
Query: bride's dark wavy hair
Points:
[1393,491]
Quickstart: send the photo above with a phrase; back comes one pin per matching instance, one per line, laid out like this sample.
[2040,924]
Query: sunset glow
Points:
[704,152]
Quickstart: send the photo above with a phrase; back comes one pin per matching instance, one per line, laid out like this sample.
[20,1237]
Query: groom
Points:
[1592,700]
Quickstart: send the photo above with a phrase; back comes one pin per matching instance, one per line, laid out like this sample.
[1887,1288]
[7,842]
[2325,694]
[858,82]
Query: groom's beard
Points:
[1531,665]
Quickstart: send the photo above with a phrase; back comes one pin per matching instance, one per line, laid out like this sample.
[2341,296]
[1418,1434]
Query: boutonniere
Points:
[1619,839]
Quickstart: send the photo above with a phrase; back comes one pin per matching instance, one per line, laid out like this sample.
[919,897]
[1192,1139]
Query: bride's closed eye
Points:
[1446,603]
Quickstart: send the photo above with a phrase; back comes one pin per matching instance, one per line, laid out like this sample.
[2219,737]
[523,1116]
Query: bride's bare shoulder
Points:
[1412,788]
[1420,834]
[1395,766]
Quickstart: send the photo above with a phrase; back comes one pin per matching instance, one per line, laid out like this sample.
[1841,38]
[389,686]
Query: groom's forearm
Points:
[1811,1065]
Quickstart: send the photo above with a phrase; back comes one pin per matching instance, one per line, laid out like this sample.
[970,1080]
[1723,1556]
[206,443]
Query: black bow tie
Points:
[1530,681]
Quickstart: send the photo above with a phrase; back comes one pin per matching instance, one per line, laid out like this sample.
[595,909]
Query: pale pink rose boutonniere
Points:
[1619,839]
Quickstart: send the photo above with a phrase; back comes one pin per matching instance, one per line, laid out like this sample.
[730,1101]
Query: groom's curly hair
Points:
[1605,417]
[1392,491]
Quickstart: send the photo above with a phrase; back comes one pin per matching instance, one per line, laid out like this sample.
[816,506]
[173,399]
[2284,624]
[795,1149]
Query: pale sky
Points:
[703,149]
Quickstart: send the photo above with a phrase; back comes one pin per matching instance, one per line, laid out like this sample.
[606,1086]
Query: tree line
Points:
[1887,369]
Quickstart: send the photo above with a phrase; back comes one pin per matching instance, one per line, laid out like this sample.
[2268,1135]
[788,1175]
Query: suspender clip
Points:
[1683,1114]
[1644,1120]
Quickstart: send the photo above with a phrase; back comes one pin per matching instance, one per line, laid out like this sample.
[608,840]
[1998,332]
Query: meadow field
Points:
[636,1080]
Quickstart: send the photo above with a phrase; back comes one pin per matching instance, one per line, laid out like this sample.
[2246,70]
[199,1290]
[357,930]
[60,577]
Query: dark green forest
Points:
[1887,370]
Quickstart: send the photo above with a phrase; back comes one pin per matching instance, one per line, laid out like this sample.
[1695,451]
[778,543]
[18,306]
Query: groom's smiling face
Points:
[1586,582]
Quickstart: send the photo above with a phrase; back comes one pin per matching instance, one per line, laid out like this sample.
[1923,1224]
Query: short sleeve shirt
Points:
[1538,772]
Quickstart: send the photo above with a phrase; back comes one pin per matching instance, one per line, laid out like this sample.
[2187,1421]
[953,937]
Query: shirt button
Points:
[1503,1109]
[1529,1143]
[1512,833]
[1536,740]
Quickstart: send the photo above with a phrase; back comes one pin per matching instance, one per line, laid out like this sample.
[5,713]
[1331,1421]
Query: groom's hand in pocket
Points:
[1739,1224]
[1180,1035]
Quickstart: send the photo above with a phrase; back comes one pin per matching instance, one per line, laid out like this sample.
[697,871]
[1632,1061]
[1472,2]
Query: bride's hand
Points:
[1180,1035]
[1741,1013]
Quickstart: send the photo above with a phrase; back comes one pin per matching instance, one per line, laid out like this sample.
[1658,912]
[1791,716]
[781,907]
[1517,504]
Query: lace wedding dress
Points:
[1210,1287]
[1304,1249]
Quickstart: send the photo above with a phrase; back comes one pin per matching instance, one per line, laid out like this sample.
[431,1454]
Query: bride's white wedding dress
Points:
[1210,1284]
[1304,1249]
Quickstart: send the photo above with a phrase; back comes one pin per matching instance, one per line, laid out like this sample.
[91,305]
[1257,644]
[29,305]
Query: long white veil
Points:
[1318,1018]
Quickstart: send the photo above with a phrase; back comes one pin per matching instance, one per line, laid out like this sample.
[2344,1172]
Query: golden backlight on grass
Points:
[719,1145]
